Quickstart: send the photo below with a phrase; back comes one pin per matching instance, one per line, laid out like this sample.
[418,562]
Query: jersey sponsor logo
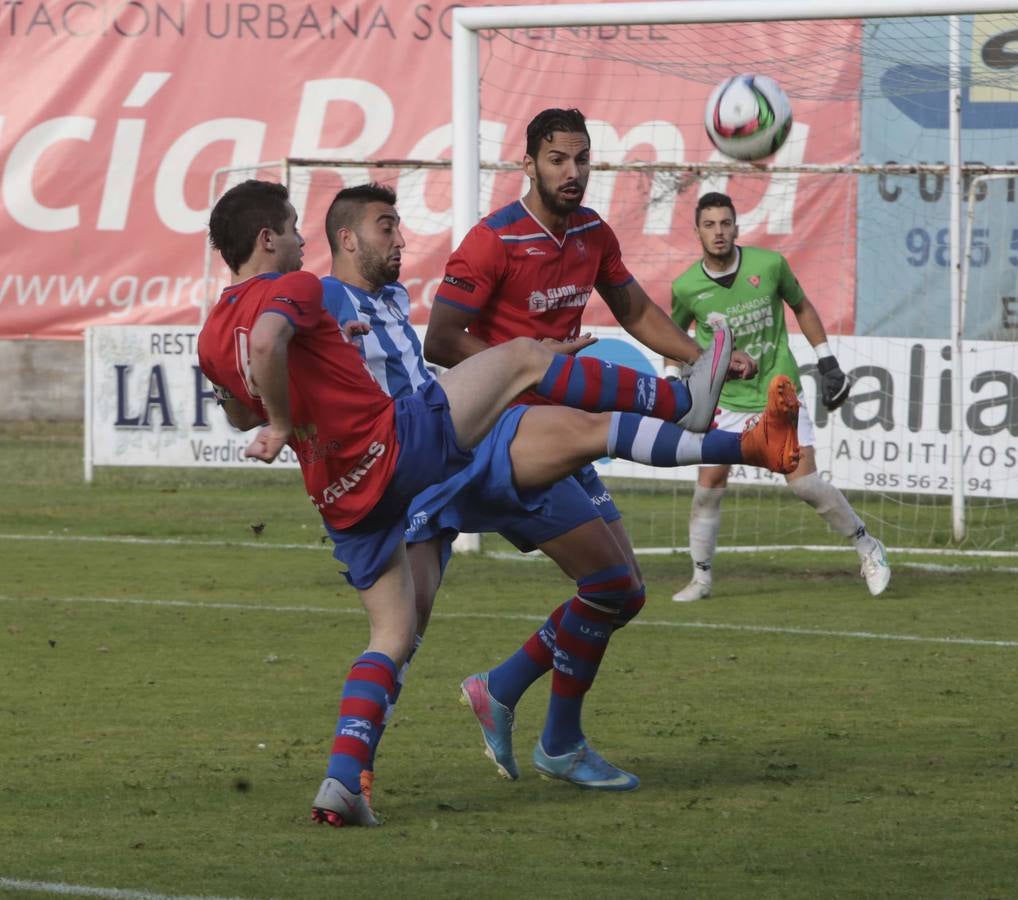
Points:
[460,283]
[346,483]
[559,297]
[535,251]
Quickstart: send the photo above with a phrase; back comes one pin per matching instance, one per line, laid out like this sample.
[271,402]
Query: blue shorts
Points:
[482,498]
[428,454]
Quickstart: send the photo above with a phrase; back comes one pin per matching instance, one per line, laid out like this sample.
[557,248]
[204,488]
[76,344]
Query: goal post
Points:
[927,68]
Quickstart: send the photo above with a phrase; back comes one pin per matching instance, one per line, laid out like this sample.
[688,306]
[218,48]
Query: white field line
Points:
[526,617]
[536,555]
[81,890]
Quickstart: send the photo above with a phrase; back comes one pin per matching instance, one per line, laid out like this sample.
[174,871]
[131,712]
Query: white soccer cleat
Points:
[875,569]
[705,379]
[695,590]
[336,806]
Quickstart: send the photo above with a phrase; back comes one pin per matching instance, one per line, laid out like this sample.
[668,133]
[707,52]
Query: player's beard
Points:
[721,260]
[376,269]
[555,204]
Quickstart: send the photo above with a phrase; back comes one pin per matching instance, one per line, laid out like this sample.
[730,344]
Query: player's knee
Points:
[608,590]
[530,356]
[707,500]
[635,601]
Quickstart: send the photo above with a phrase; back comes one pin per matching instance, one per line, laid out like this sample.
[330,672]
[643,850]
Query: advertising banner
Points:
[903,220]
[124,110]
[149,405]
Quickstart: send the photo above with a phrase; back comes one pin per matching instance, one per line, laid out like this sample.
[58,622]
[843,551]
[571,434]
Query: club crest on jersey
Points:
[754,280]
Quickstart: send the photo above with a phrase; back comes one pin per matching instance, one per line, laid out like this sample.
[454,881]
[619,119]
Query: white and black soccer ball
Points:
[748,116]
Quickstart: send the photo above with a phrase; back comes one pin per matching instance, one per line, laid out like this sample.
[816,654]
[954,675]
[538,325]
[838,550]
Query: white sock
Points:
[704,525]
[833,508]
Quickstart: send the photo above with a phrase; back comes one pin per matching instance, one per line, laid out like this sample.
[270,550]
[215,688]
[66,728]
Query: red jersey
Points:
[523,281]
[520,280]
[344,424]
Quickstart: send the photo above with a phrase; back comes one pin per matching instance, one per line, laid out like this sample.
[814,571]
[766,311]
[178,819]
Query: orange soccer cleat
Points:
[771,440]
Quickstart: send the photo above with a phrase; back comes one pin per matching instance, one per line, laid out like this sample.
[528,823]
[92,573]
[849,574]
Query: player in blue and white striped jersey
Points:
[391,348]
[520,485]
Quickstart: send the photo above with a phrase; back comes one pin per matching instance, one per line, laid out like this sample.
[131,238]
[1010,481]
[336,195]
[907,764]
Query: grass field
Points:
[168,684]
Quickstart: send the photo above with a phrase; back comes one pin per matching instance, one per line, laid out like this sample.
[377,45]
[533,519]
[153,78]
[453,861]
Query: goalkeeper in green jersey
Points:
[749,287]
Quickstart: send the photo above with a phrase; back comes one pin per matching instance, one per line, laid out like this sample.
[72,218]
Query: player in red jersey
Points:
[528,269]
[278,362]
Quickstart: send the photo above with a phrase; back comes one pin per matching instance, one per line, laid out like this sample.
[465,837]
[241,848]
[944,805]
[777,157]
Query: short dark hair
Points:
[347,207]
[714,198]
[548,121]
[241,213]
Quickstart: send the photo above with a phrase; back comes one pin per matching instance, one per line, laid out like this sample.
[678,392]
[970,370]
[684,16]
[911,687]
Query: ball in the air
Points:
[748,116]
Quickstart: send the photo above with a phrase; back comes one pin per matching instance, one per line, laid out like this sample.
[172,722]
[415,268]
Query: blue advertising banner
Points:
[903,241]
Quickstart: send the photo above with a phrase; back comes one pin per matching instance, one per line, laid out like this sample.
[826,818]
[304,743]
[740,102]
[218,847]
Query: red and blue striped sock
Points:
[391,706]
[508,680]
[589,383]
[370,684]
[580,644]
[662,444]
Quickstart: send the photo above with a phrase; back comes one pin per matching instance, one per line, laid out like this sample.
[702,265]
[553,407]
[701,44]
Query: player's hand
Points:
[570,347]
[834,384]
[742,365]
[267,443]
[354,328]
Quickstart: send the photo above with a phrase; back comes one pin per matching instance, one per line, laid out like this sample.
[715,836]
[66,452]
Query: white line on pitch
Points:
[527,617]
[497,554]
[81,890]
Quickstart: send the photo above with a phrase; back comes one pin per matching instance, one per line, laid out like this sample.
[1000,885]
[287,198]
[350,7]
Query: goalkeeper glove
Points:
[834,384]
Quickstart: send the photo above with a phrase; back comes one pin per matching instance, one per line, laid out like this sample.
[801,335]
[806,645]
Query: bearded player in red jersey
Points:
[278,362]
[527,270]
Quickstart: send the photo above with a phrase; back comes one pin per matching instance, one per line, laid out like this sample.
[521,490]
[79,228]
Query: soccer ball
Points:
[748,116]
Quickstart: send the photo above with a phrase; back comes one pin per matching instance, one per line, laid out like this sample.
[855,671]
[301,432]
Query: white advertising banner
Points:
[147,404]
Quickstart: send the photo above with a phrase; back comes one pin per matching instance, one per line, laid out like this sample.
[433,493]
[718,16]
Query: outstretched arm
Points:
[652,326]
[269,373]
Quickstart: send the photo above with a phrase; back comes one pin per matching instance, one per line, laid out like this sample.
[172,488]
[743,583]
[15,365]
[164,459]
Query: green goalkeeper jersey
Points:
[754,305]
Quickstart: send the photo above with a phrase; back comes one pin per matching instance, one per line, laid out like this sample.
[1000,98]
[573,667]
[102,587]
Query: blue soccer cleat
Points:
[586,768]
[496,723]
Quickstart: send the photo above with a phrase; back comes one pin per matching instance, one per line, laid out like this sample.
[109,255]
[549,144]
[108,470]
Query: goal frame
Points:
[467,23]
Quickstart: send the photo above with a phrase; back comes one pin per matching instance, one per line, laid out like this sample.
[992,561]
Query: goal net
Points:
[859,199]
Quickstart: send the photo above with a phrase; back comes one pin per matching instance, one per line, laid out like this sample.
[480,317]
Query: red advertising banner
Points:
[114,116]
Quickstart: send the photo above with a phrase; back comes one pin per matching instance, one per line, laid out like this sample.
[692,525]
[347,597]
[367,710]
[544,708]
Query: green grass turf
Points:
[787,747]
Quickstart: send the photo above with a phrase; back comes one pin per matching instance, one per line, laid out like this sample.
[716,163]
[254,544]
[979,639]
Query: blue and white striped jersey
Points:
[391,350]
